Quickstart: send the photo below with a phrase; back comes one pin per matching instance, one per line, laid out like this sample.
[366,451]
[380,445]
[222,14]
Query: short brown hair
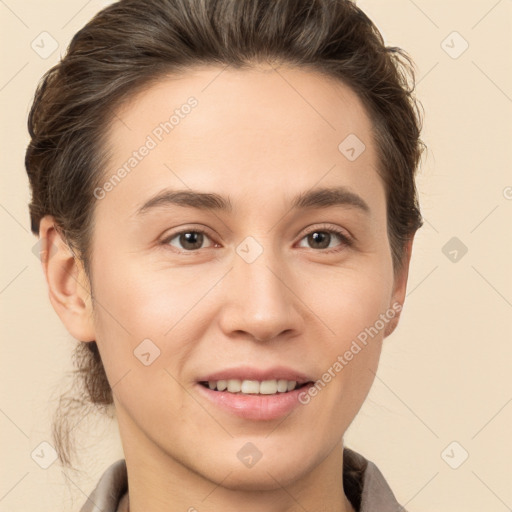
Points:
[132,43]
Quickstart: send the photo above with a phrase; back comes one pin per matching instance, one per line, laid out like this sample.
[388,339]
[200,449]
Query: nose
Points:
[261,299]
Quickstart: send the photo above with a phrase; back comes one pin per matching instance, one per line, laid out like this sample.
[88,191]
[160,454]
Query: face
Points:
[241,280]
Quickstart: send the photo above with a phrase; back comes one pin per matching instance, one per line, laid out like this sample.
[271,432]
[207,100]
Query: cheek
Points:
[351,301]
[148,316]
[352,307]
[139,301]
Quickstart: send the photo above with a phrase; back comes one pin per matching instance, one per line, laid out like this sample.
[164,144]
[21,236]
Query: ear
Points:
[68,286]
[399,289]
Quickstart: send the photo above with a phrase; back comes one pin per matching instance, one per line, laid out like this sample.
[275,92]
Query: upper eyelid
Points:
[326,227]
[192,229]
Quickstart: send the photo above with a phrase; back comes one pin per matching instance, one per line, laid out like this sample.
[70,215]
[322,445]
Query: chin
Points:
[264,478]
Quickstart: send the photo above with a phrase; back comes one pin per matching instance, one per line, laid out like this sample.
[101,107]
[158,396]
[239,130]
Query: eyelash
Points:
[346,240]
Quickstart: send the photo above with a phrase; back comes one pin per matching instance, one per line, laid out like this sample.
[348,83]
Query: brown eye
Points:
[189,240]
[322,238]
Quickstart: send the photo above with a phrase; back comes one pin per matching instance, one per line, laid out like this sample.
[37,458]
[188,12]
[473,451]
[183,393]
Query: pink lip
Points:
[254,407]
[251,373]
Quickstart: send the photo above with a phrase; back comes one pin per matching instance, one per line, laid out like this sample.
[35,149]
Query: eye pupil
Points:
[320,236]
[192,237]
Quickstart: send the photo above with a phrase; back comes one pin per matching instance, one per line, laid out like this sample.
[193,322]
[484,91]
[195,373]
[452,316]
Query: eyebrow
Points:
[315,198]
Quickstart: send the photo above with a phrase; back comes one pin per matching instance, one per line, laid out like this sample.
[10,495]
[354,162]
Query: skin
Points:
[253,138]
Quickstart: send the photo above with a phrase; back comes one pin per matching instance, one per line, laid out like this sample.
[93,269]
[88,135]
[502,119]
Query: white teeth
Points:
[282,385]
[234,385]
[250,386]
[266,387]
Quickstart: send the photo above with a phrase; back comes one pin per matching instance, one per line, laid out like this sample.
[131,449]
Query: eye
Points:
[190,239]
[322,238]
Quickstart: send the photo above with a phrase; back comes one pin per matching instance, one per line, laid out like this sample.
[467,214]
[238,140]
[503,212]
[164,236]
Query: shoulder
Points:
[108,494]
[366,486]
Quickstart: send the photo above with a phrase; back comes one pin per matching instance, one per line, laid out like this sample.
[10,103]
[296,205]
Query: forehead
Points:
[265,100]
[223,129]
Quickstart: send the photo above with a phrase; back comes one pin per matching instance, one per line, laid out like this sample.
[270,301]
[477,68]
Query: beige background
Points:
[445,374]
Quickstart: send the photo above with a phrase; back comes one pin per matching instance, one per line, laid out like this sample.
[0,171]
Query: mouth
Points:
[254,387]
[253,394]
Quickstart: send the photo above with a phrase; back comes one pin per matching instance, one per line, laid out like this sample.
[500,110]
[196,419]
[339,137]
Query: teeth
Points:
[250,386]
[234,385]
[253,387]
[268,387]
[282,386]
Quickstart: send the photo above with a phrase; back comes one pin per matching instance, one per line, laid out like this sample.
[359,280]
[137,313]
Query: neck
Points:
[160,483]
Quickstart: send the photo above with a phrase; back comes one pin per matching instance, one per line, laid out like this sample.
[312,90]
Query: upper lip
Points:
[260,374]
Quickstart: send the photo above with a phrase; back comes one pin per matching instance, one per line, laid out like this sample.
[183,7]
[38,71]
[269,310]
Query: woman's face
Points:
[237,279]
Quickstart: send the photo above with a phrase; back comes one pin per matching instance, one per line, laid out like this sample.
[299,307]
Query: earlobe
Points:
[399,289]
[68,286]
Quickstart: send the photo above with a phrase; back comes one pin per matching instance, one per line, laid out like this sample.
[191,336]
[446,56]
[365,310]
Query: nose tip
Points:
[260,301]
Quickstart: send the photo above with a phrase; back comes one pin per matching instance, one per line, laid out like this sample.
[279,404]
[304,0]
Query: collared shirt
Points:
[111,492]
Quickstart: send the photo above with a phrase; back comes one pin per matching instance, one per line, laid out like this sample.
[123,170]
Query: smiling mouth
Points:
[254,387]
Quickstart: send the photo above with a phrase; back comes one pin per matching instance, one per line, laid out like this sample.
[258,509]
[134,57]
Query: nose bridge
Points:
[261,302]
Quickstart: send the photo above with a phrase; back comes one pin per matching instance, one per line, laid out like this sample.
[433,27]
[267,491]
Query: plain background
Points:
[444,385]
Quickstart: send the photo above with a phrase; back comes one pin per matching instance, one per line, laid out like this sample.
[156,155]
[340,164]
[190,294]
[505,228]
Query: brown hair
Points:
[132,43]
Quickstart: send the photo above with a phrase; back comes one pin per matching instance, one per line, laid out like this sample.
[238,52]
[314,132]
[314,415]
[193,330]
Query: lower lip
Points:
[255,407]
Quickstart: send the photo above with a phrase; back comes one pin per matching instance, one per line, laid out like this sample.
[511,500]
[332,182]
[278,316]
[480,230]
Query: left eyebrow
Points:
[316,198]
[326,197]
